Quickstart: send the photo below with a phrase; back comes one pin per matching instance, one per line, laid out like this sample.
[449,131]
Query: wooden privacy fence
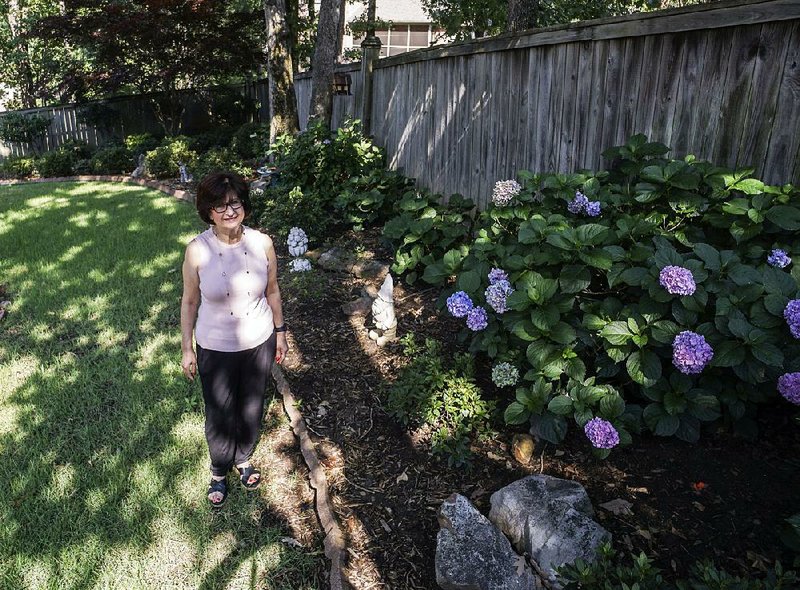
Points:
[720,81]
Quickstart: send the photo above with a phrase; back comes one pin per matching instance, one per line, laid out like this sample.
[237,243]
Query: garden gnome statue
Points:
[185,176]
[383,314]
[139,171]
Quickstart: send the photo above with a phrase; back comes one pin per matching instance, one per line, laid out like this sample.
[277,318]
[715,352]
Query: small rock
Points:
[360,306]
[370,269]
[522,447]
[336,259]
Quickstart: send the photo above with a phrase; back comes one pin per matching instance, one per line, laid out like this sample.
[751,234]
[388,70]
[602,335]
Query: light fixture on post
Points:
[341,84]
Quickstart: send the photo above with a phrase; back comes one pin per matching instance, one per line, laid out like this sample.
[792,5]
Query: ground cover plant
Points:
[102,454]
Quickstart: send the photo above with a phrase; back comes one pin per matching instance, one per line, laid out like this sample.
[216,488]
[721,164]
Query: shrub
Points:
[56,163]
[216,138]
[163,162]
[447,400]
[80,149]
[219,160]
[17,167]
[19,128]
[370,199]
[141,144]
[594,308]
[248,140]
[113,160]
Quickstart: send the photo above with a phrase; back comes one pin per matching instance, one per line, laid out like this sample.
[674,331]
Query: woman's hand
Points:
[189,364]
[281,347]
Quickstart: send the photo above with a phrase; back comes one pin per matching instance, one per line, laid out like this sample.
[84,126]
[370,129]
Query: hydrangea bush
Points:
[670,303]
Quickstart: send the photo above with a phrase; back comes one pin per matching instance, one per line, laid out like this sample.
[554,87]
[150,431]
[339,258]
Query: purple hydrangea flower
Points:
[477,319]
[578,204]
[792,315]
[593,208]
[497,274]
[677,280]
[779,258]
[789,387]
[691,353]
[326,141]
[601,433]
[459,304]
[505,191]
[496,295]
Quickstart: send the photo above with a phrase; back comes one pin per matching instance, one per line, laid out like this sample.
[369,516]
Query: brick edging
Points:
[184,195]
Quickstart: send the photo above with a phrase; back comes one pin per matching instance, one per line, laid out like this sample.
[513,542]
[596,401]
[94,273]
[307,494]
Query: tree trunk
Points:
[340,32]
[324,60]
[522,15]
[282,100]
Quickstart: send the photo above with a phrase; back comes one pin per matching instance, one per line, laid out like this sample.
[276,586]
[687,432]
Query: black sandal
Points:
[245,473]
[217,485]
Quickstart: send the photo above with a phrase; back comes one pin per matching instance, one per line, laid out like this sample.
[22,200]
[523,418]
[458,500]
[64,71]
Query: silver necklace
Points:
[223,269]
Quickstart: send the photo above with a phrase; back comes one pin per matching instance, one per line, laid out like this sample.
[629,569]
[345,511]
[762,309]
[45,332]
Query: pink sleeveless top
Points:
[234,314]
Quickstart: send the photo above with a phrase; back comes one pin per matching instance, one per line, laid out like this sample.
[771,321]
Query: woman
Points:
[232,306]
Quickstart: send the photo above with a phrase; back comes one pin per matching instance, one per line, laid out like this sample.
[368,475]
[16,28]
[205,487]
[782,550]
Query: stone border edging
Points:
[154,184]
[335,548]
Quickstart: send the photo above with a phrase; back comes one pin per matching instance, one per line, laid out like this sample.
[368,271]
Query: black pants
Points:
[234,384]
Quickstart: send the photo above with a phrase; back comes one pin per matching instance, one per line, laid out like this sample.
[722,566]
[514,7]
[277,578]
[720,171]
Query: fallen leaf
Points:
[560,453]
[291,542]
[402,477]
[644,533]
[386,526]
[639,490]
[618,506]
[521,565]
[494,457]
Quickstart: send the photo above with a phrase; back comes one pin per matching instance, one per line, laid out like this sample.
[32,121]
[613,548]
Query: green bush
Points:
[163,162]
[248,140]
[17,167]
[141,144]
[219,137]
[19,128]
[56,163]
[446,400]
[590,325]
[219,160]
[113,160]
[370,199]
[80,149]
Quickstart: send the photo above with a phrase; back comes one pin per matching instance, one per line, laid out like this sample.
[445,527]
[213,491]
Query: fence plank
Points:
[784,149]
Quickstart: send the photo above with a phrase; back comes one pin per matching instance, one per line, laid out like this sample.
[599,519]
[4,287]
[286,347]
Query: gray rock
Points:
[336,259]
[370,269]
[471,554]
[548,518]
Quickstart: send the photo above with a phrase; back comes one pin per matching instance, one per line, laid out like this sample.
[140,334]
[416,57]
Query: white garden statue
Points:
[383,314]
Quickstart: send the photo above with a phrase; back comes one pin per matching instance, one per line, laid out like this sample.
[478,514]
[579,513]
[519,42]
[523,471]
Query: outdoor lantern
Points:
[341,84]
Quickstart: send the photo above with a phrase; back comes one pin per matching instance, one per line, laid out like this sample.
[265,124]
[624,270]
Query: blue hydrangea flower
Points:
[578,204]
[593,208]
[505,375]
[677,280]
[505,191]
[497,274]
[779,258]
[459,304]
[477,319]
[601,433]
[792,315]
[788,387]
[691,353]
[496,295]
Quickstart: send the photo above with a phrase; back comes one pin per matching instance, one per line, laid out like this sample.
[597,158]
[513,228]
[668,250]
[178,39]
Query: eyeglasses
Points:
[235,205]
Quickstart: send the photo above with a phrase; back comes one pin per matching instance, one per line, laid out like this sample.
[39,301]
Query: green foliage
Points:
[56,163]
[218,137]
[141,143]
[17,167]
[315,166]
[248,140]
[366,200]
[163,162]
[589,325]
[100,115]
[112,160]
[19,128]
[610,571]
[445,399]
[424,229]
[219,160]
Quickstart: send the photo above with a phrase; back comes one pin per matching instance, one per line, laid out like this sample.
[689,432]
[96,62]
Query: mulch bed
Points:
[723,498]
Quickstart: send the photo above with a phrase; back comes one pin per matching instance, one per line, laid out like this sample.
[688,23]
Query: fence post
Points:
[370,51]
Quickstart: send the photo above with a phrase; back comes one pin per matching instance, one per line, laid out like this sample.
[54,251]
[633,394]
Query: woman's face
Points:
[228,214]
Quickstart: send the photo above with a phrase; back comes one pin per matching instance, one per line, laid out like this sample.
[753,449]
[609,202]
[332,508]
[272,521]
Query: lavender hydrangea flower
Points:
[779,258]
[505,191]
[477,319]
[677,280]
[788,387]
[497,274]
[691,353]
[459,304]
[593,208]
[601,433]
[792,315]
[578,204]
[505,375]
[496,295]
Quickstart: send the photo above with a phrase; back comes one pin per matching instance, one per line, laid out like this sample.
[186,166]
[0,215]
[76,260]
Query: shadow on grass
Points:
[102,452]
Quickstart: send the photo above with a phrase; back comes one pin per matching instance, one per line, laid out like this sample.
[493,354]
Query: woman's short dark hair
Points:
[215,188]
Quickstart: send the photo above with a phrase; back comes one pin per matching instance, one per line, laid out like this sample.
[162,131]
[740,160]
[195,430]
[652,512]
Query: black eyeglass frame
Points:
[223,208]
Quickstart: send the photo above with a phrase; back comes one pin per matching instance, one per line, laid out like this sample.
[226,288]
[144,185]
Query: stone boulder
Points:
[548,518]
[471,554]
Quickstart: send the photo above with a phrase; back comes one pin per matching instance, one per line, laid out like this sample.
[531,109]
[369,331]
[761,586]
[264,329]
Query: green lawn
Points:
[103,462]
